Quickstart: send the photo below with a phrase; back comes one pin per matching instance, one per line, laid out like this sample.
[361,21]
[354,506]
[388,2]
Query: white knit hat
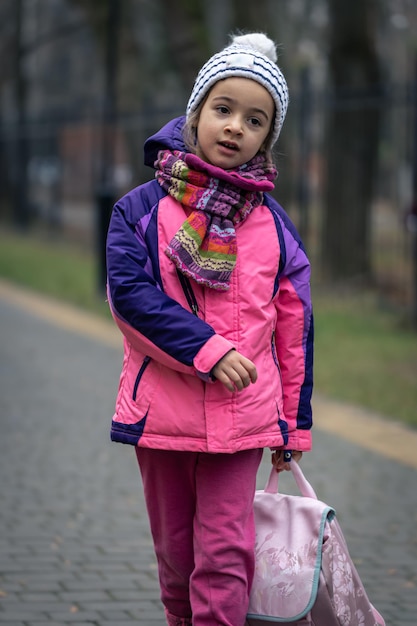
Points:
[248,56]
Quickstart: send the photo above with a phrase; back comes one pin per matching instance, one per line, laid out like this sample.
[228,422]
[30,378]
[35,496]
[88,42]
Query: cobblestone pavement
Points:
[75,546]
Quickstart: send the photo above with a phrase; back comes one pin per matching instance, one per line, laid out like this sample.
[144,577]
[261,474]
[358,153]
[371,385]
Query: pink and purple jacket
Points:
[167,397]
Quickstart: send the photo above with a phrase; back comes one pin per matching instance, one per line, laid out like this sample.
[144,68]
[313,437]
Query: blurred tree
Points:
[103,18]
[14,176]
[352,134]
[251,16]
[186,38]
[122,82]
[161,46]
[21,209]
[9,31]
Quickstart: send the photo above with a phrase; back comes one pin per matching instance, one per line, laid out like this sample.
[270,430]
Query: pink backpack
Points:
[304,574]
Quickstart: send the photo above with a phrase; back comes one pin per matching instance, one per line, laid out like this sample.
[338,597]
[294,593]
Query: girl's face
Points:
[234,122]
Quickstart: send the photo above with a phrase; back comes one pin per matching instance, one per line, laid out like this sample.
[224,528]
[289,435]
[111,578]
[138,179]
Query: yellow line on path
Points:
[62,315]
[390,439]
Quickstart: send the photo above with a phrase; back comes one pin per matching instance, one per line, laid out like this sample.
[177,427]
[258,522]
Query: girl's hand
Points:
[235,371]
[279,462]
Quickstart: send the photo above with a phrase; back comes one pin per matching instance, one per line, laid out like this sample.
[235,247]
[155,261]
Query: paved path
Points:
[75,546]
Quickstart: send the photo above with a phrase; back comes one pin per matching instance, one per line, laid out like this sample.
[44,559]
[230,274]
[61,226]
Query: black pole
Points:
[21,208]
[106,192]
[412,222]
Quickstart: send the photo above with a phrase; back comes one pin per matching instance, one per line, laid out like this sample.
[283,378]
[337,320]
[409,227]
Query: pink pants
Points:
[200,509]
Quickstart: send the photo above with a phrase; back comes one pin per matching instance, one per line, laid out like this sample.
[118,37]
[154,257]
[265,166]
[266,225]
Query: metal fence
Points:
[68,162]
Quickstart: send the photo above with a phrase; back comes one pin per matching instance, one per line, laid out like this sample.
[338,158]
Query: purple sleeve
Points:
[134,284]
[295,325]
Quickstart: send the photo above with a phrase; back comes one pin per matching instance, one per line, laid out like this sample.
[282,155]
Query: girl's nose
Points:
[234,125]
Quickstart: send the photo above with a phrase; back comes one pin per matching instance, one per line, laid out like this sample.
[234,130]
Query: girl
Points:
[209,283]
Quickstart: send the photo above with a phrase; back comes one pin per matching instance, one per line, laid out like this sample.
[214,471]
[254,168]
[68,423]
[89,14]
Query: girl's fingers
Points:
[235,371]
[278,460]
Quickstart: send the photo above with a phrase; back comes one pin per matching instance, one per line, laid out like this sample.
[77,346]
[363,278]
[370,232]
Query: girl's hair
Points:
[189,132]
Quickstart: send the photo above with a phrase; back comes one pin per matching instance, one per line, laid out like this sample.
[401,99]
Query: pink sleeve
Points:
[210,354]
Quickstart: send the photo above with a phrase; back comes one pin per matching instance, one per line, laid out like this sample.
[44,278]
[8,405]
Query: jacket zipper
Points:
[143,367]
[275,357]
[281,423]
[188,291]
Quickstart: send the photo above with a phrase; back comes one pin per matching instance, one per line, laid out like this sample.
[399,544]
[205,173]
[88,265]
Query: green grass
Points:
[362,353]
[52,267]
[365,356]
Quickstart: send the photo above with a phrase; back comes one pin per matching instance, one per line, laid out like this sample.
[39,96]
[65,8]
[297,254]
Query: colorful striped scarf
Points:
[204,248]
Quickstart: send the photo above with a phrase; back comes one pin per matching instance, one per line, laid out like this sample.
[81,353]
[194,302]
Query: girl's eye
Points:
[254,121]
[223,109]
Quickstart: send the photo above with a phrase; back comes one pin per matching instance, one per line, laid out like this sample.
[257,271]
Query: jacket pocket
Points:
[141,372]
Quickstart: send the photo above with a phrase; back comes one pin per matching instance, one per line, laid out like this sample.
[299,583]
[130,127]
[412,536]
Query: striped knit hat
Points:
[248,56]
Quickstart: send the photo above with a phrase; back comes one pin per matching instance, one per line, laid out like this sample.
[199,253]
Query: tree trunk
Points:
[351,145]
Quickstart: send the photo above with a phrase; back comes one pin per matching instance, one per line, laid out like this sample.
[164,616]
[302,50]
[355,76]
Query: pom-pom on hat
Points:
[248,56]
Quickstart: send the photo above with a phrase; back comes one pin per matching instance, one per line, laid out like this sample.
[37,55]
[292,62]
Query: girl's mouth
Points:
[229,145]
